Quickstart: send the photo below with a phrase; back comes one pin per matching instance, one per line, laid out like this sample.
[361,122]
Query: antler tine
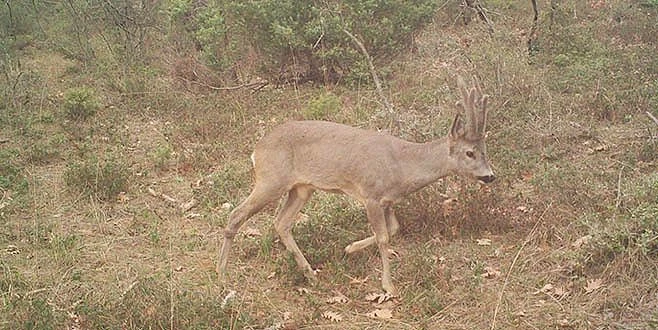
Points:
[482,110]
[483,115]
[480,113]
[470,97]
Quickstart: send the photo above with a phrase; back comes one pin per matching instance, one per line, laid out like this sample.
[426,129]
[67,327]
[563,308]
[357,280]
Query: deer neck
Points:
[424,163]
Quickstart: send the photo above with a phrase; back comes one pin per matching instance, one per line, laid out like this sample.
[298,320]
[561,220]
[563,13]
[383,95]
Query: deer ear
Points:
[457,130]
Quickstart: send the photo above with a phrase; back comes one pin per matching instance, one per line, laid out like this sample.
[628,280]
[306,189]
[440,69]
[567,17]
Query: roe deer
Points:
[376,169]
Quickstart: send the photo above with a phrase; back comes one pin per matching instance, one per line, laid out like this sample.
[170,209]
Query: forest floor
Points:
[565,238]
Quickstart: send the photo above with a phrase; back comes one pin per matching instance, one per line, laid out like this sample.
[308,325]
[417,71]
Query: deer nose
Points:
[487,178]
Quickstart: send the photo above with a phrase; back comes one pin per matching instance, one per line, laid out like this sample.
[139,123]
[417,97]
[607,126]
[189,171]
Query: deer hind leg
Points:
[259,197]
[297,197]
[392,226]
[377,218]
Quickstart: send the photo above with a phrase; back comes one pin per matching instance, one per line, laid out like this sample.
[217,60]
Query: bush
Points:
[307,36]
[80,103]
[103,179]
[322,107]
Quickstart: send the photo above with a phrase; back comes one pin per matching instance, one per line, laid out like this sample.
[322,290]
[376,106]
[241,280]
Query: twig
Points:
[619,189]
[258,85]
[533,29]
[481,11]
[393,117]
[655,120]
[516,257]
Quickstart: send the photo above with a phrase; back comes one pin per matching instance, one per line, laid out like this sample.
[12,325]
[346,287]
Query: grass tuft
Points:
[99,178]
[80,103]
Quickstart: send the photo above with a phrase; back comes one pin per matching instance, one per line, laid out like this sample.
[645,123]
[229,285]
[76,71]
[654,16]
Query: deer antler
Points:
[474,104]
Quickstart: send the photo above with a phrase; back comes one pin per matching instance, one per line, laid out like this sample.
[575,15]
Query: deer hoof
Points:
[391,291]
[311,275]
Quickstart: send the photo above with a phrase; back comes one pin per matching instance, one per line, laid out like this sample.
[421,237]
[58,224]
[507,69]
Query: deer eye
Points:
[470,154]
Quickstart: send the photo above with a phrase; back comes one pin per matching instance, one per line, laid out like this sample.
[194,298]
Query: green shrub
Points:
[307,35]
[161,156]
[322,107]
[103,179]
[80,103]
[13,182]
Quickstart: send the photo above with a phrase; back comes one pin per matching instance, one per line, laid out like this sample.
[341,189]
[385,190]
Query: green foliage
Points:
[228,185]
[324,106]
[162,155]
[80,103]
[103,179]
[46,151]
[13,182]
[308,35]
[212,32]
[177,9]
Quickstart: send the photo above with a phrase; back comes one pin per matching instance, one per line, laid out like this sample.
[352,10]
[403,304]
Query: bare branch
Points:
[255,85]
[655,120]
[533,30]
[481,11]
[389,108]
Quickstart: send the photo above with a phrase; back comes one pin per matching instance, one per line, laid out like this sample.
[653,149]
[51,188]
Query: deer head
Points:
[467,135]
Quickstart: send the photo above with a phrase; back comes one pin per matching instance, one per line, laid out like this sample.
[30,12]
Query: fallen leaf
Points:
[527,176]
[600,148]
[593,285]
[179,269]
[302,218]
[483,241]
[520,313]
[302,291]
[152,192]
[339,299]
[378,297]
[168,198]
[522,209]
[332,316]
[581,241]
[490,272]
[189,205]
[12,249]
[227,206]
[252,232]
[271,276]
[559,292]
[229,296]
[123,197]
[383,313]
[356,280]
[545,289]
[193,215]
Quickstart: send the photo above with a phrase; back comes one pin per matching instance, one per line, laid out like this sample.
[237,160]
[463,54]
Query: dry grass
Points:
[575,202]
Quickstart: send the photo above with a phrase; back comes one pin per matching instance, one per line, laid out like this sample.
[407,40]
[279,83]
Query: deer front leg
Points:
[391,224]
[377,219]
[259,197]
